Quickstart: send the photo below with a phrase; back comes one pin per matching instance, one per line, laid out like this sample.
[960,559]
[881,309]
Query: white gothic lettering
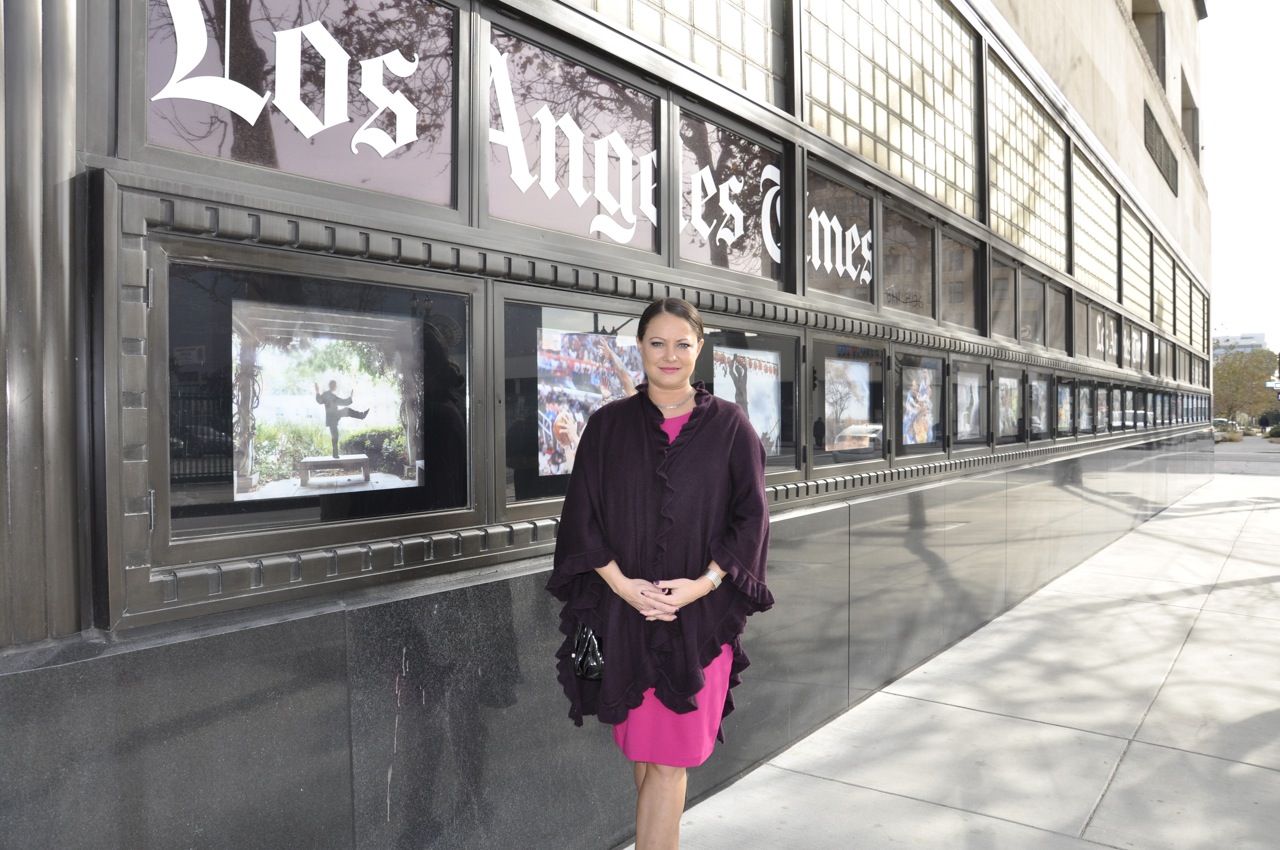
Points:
[846,252]
[192,44]
[620,204]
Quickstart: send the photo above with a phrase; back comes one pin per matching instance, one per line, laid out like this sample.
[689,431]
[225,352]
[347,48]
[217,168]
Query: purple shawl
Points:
[662,512]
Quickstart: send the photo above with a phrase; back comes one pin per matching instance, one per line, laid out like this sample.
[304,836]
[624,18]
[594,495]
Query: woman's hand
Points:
[679,591]
[639,594]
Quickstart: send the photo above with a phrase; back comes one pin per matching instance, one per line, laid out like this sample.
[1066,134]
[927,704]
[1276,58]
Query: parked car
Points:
[1222,427]
[204,440]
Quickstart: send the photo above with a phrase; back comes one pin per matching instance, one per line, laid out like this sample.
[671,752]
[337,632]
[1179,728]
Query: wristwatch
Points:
[714,576]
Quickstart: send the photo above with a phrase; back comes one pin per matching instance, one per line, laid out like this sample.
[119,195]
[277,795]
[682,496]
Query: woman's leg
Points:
[659,805]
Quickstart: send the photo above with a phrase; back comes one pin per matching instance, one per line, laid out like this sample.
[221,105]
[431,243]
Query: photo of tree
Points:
[848,424]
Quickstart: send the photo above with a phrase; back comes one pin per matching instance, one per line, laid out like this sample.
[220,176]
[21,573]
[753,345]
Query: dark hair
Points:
[674,306]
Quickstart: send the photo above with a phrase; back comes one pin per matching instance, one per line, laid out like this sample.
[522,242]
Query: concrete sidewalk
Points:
[1133,703]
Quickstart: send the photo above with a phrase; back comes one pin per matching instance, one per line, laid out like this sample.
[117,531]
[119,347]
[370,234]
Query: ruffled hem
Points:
[567,574]
[756,591]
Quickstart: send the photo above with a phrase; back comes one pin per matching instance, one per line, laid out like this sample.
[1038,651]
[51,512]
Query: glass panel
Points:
[971,395]
[1084,409]
[296,400]
[837,240]
[570,149]
[1135,264]
[958,283]
[1118,419]
[1162,275]
[1102,409]
[730,200]
[1132,416]
[1056,318]
[758,372]
[1041,416]
[1096,249]
[1010,422]
[1004,318]
[339,92]
[561,366]
[920,383]
[1028,170]
[895,83]
[1097,333]
[848,382]
[1082,332]
[908,264]
[739,41]
[1183,302]
[1031,309]
[1064,425]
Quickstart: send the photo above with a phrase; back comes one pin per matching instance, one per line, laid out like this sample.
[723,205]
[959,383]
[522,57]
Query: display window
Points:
[921,404]
[970,401]
[959,273]
[1118,420]
[297,399]
[1011,422]
[1084,408]
[349,93]
[1101,409]
[848,401]
[1004,302]
[563,363]
[1040,403]
[1064,421]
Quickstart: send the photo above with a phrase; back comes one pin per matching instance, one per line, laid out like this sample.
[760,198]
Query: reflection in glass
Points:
[908,264]
[958,283]
[848,383]
[1031,311]
[1004,317]
[299,399]
[837,240]
[569,149]
[339,92]
[730,200]
[1055,335]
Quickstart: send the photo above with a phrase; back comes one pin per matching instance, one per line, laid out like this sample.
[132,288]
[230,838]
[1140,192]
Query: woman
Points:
[661,550]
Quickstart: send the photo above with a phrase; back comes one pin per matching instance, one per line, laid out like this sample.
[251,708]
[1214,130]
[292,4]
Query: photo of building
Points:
[233,615]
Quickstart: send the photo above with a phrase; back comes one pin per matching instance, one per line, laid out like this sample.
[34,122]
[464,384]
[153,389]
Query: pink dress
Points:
[654,733]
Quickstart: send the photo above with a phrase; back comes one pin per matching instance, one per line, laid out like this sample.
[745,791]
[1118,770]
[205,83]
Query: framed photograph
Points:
[758,372]
[848,383]
[1118,419]
[578,373]
[296,399]
[921,400]
[1132,416]
[1040,416]
[1102,410]
[1084,409]
[752,379]
[970,403]
[1010,417]
[1064,423]
[560,365]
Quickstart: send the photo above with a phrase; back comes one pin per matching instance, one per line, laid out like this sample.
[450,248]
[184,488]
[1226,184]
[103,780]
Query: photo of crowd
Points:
[919,405]
[578,373]
[753,380]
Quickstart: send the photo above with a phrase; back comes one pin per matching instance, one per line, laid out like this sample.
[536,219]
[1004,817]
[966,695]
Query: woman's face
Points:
[670,348]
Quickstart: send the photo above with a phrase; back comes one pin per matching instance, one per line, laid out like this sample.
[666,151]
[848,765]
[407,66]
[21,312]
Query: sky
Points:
[1239,75]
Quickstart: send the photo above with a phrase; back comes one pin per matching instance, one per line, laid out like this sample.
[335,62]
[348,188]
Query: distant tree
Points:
[1239,383]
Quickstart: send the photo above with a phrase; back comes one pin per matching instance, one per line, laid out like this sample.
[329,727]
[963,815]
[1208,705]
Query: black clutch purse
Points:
[588,663]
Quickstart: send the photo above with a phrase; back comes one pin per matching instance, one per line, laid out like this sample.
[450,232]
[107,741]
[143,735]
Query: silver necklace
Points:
[679,403]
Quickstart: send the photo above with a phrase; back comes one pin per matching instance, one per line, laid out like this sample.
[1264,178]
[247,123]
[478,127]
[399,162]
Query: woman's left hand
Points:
[679,591]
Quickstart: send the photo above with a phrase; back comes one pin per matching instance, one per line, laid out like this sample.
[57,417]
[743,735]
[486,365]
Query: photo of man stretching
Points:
[335,409]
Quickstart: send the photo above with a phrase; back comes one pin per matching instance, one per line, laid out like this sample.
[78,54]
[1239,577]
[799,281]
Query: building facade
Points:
[303,305]
[1240,344]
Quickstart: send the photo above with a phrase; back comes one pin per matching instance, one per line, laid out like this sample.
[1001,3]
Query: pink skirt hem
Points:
[655,734]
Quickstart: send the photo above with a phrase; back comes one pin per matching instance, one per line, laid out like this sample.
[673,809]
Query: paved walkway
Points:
[1133,703]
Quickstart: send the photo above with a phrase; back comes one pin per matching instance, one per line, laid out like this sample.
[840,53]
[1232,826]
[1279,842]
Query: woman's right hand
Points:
[632,590]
